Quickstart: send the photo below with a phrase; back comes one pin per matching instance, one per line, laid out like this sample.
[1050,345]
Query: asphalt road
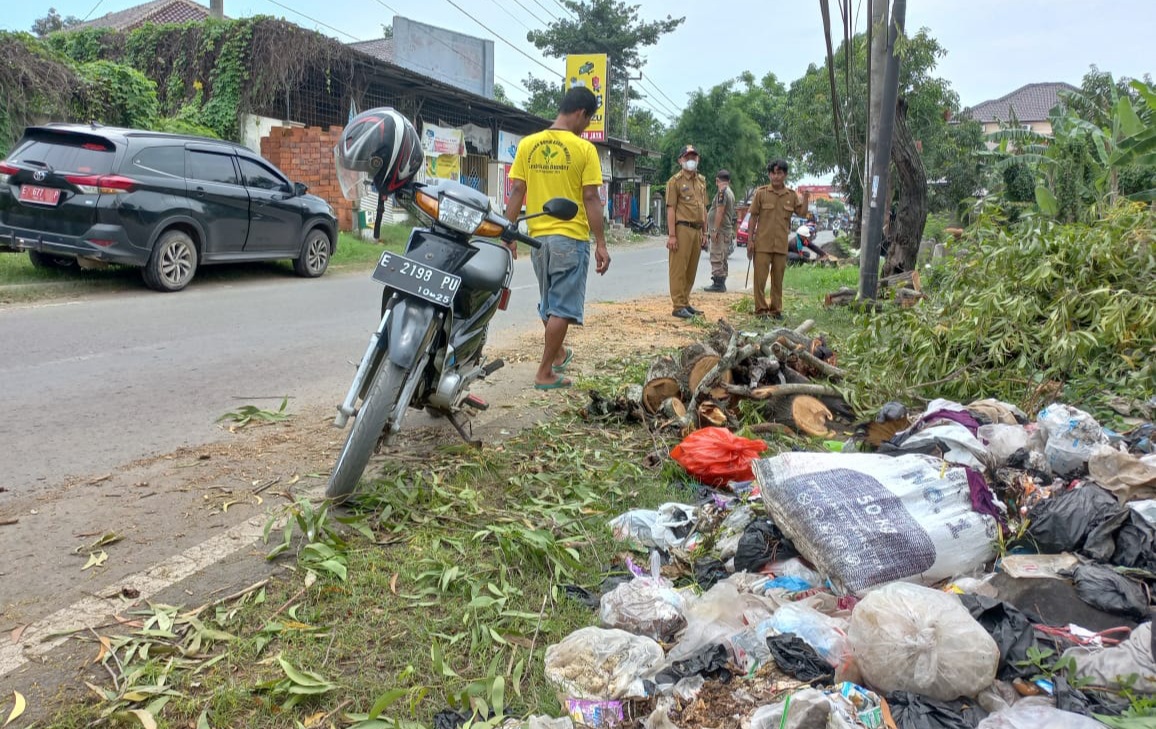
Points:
[90,384]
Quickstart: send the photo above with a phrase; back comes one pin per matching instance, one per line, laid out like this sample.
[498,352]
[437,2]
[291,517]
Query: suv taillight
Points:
[103,184]
[6,171]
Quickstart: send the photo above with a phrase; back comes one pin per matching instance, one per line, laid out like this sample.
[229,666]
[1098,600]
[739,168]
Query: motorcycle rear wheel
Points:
[379,403]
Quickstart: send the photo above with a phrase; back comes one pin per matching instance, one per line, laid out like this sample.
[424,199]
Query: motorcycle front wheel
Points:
[379,403]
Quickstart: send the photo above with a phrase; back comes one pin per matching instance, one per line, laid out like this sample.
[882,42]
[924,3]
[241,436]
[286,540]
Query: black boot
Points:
[719,286]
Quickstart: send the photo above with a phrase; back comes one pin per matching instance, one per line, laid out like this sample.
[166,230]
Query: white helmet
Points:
[804,231]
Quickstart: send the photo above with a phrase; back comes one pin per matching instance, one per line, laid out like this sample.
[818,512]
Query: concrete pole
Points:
[876,64]
[877,183]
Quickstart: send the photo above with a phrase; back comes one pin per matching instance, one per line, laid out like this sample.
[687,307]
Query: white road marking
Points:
[93,611]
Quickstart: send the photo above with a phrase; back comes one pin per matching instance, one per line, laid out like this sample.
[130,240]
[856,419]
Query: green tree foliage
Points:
[117,95]
[600,26]
[808,125]
[955,172]
[545,97]
[644,129]
[500,95]
[1080,310]
[716,122]
[53,22]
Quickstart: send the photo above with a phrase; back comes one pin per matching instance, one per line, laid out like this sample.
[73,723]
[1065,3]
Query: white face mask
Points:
[690,165]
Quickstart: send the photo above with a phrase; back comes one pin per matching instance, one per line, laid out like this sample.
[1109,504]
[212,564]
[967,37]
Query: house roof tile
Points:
[1029,103]
[157,11]
[381,49]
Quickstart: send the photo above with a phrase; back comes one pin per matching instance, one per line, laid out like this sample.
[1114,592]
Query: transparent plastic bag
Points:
[1037,713]
[825,634]
[911,638]
[1003,440]
[601,664]
[644,606]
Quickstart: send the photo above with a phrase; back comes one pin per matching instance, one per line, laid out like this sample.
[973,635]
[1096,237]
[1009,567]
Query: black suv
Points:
[164,202]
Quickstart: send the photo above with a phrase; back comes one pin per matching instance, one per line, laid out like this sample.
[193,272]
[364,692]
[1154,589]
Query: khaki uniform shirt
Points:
[773,209]
[725,199]
[686,193]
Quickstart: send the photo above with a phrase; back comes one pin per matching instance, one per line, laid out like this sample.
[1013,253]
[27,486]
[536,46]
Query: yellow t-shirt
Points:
[556,163]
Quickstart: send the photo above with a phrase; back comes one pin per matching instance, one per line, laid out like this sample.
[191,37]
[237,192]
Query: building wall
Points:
[306,155]
[1039,127]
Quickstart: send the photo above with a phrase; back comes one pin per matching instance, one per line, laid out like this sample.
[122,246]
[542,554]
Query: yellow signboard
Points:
[443,166]
[590,70]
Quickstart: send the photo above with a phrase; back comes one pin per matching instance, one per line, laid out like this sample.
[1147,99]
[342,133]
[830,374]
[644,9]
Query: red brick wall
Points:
[306,155]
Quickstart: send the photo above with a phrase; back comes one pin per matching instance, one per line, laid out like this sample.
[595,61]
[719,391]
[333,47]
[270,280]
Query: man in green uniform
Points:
[770,226]
[720,221]
[685,221]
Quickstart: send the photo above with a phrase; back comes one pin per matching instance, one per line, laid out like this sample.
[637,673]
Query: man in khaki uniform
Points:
[685,220]
[721,231]
[770,226]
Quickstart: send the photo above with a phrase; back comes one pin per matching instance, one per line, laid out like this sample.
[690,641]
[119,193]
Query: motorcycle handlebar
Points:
[512,234]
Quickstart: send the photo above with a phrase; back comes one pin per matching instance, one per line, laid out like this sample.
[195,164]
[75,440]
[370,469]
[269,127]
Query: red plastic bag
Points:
[716,456]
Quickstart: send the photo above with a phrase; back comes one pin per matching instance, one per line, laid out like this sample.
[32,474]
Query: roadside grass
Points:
[450,600]
[451,605]
[804,288]
[21,281]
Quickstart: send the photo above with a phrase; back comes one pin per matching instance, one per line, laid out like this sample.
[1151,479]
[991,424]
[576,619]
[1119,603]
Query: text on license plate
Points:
[39,195]
[411,277]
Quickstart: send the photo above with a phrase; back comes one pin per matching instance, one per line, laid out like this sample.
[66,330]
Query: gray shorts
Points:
[561,265]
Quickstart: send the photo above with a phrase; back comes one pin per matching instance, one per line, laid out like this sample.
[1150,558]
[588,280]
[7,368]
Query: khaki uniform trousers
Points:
[720,250]
[683,264]
[772,265]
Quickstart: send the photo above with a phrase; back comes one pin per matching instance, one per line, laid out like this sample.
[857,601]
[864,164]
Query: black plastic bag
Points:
[1136,544]
[1081,519]
[1069,698]
[708,571]
[762,542]
[795,657]
[582,595]
[1011,630]
[450,719]
[710,663]
[1106,589]
[912,711]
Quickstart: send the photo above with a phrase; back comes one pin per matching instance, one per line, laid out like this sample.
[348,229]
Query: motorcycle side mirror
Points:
[560,208]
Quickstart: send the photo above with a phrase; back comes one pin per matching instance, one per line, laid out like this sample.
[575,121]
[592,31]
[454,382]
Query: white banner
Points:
[442,140]
[507,146]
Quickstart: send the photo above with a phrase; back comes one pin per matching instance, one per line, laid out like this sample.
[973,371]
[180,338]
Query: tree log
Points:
[824,368]
[633,395]
[842,297]
[710,413]
[699,369]
[759,369]
[794,377]
[714,375]
[803,413]
[661,383]
[805,327]
[907,298]
[770,391]
[691,353]
[673,409]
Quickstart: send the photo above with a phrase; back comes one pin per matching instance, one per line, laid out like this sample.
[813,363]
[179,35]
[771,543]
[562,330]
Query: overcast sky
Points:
[993,46]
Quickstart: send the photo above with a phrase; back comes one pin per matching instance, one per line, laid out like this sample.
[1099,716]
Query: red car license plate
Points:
[39,195]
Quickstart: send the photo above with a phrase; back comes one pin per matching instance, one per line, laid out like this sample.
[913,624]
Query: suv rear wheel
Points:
[173,262]
[315,255]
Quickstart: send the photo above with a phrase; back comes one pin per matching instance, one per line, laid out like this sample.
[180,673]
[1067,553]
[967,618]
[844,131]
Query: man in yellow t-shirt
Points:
[557,162]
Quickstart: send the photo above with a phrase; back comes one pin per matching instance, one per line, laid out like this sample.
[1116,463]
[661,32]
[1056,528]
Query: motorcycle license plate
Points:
[408,276]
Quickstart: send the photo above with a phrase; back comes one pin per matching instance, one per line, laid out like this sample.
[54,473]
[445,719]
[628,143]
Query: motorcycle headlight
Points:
[459,216]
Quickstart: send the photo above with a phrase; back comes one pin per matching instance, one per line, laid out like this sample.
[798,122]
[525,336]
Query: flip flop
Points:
[565,363]
[557,384]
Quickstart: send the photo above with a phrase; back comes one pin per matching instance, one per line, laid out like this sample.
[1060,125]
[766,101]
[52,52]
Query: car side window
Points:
[161,161]
[261,177]
[211,167]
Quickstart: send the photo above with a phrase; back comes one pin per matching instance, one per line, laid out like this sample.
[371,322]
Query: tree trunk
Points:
[912,206]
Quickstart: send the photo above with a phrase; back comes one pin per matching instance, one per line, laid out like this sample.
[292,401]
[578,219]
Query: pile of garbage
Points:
[964,567]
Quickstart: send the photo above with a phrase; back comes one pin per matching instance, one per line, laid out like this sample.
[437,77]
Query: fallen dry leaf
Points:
[105,647]
[147,720]
[95,560]
[17,708]
[17,632]
[393,583]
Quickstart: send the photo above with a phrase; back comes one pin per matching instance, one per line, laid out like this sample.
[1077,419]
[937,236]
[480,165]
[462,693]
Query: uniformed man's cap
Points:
[688,149]
[723,175]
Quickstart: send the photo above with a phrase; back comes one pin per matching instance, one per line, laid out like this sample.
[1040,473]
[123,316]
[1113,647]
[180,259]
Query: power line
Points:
[315,20]
[507,12]
[530,12]
[674,104]
[568,10]
[514,84]
[94,7]
[674,110]
[546,9]
[387,7]
[499,37]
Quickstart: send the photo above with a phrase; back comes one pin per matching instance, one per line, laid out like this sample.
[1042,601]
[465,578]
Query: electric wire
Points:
[315,20]
[94,7]
[499,37]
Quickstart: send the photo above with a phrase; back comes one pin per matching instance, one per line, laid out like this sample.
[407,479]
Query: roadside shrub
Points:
[1041,307]
[174,125]
[118,95]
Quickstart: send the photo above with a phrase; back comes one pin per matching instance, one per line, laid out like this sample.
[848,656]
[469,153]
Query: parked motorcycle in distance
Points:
[643,226]
[438,301]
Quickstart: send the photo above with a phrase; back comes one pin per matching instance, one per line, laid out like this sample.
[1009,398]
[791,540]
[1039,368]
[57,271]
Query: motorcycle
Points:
[438,301]
[640,226]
